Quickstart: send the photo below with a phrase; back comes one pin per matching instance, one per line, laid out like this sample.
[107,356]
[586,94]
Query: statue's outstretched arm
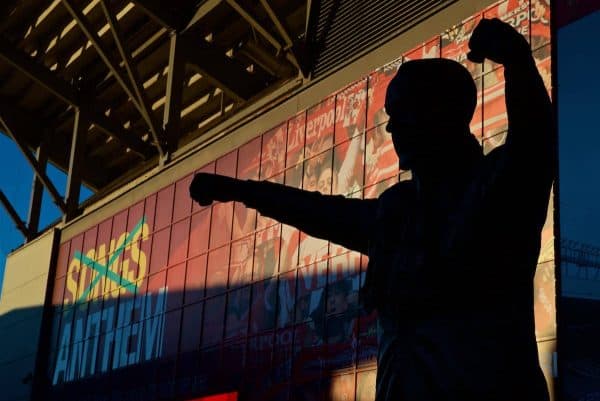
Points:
[333,217]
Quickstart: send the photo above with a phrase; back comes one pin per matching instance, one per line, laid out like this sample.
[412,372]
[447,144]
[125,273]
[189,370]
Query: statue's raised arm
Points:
[345,221]
[530,143]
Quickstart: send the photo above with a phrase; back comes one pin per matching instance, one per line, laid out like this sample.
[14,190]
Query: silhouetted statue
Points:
[453,251]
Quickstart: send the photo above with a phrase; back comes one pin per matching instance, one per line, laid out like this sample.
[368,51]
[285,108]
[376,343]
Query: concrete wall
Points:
[21,309]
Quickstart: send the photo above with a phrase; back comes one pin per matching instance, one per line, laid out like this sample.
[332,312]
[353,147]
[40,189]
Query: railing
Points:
[580,254]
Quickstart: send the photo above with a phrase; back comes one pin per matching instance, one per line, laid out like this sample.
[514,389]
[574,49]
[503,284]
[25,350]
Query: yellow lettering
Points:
[112,286]
[126,273]
[71,285]
[84,274]
[137,255]
[101,254]
[132,268]
[115,266]
[99,289]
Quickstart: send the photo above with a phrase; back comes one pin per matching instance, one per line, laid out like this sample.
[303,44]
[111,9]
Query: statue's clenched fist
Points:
[207,188]
[498,42]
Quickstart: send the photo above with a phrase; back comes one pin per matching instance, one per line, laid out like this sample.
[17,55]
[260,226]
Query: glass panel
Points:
[217,271]
[199,232]
[171,332]
[381,160]
[178,243]
[295,140]
[73,271]
[266,253]
[244,219]
[350,111]
[160,250]
[540,23]
[283,358]
[272,159]
[264,221]
[286,297]
[579,176]
[183,201]
[430,49]
[263,305]
[164,207]
[348,166]
[377,86]
[221,224]
[175,286]
[191,327]
[317,173]
[516,13]
[320,121]
[195,279]
[258,365]
[209,168]
[455,44]
[290,238]
[214,316]
[240,270]
[238,309]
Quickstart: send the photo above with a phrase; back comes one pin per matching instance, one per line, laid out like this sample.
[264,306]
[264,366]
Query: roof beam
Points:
[113,66]
[134,77]
[283,32]
[270,38]
[56,145]
[174,95]
[267,60]
[39,73]
[15,216]
[9,127]
[209,110]
[220,70]
[213,65]
[37,188]
[255,24]
[308,16]
[166,16]
[202,11]
[76,160]
[106,125]
[70,95]
[277,22]
[207,59]
[306,56]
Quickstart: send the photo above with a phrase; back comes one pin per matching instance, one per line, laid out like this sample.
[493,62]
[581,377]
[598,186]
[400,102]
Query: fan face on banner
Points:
[207,295]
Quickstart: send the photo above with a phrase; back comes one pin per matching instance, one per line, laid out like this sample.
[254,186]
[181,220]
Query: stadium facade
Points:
[143,295]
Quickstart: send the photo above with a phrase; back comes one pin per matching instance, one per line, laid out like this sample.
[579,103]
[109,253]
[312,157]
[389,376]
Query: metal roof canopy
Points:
[102,88]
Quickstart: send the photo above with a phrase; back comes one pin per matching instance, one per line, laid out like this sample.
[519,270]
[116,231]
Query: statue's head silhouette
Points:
[430,103]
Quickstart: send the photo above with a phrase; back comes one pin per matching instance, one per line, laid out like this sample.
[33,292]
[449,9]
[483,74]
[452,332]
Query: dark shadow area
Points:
[171,346]
[579,352]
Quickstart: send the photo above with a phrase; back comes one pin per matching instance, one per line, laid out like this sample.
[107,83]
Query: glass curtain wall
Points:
[578,62]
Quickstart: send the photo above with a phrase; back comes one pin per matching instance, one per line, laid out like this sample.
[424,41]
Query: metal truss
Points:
[227,72]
